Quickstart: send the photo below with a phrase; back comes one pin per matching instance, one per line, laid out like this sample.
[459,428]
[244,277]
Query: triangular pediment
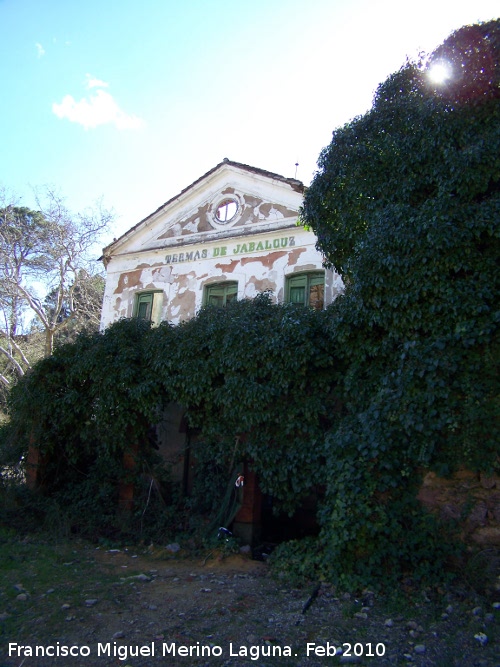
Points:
[230,200]
[250,210]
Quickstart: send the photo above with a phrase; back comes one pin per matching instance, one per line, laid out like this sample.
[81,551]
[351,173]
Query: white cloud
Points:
[40,50]
[99,108]
[92,82]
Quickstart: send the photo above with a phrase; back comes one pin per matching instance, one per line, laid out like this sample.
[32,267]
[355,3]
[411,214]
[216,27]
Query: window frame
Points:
[309,279]
[141,297]
[224,286]
[225,205]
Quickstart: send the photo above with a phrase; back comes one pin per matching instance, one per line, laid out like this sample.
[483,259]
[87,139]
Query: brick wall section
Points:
[473,498]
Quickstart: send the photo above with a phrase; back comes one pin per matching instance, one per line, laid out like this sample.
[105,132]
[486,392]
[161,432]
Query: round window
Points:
[226,211]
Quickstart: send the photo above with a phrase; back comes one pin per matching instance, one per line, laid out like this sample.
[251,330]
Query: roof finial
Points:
[296,165]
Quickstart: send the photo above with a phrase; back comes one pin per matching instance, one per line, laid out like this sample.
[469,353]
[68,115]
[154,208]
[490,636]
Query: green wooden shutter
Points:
[220,294]
[297,289]
[144,308]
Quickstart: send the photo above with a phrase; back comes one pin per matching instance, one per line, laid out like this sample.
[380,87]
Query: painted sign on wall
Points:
[225,251]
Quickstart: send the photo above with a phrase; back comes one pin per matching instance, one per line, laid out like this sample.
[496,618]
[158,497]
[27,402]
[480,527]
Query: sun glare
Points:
[439,72]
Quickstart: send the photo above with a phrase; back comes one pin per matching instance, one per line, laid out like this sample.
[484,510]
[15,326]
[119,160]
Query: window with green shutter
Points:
[306,289]
[144,305]
[147,306]
[220,294]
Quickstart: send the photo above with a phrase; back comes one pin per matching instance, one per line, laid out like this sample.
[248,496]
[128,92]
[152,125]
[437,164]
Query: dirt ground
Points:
[136,610]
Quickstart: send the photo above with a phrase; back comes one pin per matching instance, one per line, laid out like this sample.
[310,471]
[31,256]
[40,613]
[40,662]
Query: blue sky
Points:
[133,101]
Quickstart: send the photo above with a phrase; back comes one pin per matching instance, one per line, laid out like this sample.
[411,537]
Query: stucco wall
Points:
[258,262]
[184,246]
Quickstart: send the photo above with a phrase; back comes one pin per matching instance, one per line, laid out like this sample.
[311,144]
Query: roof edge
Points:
[296,185]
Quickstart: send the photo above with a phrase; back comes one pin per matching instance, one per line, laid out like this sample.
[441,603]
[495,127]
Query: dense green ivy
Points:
[257,382]
[406,206]
[83,407]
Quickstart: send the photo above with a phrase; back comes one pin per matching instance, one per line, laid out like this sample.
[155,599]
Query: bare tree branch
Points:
[12,361]
[45,270]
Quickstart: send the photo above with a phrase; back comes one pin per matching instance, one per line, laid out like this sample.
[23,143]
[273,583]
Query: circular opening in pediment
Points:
[226,211]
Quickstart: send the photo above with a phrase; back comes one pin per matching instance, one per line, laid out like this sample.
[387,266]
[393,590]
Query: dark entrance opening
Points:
[280,527]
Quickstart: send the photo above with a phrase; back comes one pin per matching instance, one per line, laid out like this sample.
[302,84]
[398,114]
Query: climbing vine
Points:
[256,380]
[259,372]
[406,206]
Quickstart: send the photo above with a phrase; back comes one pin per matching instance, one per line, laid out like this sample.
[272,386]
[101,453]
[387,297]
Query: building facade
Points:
[231,234]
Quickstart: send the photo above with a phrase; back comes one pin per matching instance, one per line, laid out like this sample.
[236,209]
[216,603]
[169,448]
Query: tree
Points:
[47,281]
[85,311]
[406,206]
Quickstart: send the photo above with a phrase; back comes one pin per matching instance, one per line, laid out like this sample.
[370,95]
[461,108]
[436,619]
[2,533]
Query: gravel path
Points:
[233,613]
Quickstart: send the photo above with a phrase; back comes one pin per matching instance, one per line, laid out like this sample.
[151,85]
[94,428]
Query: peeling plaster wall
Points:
[253,209]
[180,278]
[183,247]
